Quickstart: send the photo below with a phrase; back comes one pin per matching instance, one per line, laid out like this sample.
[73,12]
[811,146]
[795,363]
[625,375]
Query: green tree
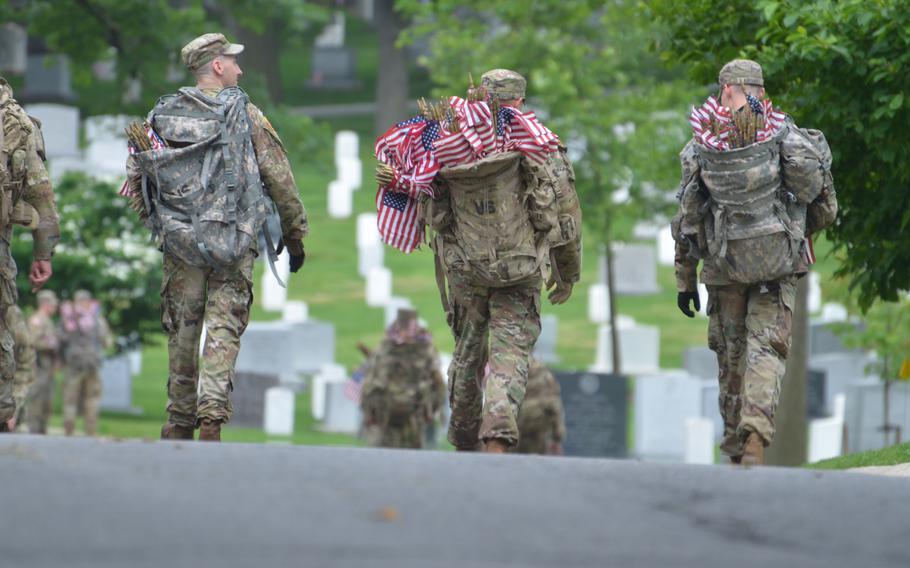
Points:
[844,68]
[104,249]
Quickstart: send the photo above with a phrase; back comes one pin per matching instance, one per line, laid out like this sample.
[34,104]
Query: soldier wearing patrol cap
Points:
[218,296]
[752,187]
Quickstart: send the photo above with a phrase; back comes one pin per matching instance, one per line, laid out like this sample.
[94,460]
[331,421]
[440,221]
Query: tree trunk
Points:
[262,54]
[611,297]
[789,447]
[392,82]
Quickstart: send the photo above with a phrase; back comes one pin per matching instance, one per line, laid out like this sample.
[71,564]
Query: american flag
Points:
[701,119]
[397,219]
[157,144]
[352,390]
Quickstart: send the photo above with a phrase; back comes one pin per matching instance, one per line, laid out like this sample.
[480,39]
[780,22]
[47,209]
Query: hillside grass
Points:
[892,455]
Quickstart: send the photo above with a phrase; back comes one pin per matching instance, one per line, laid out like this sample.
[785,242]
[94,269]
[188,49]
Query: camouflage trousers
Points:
[501,322]
[8,297]
[749,329]
[220,299]
[82,390]
[540,428]
[41,395]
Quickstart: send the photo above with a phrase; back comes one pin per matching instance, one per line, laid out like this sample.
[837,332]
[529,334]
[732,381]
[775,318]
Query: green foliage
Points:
[104,249]
[842,67]
[892,455]
[590,72]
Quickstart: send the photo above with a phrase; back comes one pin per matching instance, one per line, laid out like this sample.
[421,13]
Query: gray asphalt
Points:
[80,502]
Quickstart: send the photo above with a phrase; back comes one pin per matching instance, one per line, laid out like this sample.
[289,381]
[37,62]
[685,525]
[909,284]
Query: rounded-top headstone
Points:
[346,145]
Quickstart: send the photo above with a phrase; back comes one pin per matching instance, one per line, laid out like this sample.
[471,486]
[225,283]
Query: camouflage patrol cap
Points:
[205,48]
[47,297]
[504,84]
[741,72]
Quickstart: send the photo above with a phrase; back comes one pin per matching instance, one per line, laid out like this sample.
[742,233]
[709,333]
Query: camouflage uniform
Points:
[540,420]
[47,347]
[403,389]
[749,325]
[218,298]
[495,324]
[84,334]
[25,360]
[27,193]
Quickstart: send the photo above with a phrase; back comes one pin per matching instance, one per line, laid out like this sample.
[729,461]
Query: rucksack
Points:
[206,199]
[402,385]
[495,243]
[16,129]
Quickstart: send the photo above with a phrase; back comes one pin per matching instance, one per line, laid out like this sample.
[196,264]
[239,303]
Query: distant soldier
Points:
[25,364]
[220,176]
[26,198]
[403,390]
[754,188]
[541,421]
[501,222]
[84,335]
[47,351]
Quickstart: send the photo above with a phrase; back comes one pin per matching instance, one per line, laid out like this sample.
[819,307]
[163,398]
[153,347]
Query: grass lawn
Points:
[892,455]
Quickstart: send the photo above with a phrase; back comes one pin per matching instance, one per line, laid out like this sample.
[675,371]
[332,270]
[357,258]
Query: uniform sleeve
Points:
[557,176]
[276,174]
[688,223]
[38,193]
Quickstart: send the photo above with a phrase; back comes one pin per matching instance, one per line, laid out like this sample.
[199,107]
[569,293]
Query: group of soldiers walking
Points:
[208,169]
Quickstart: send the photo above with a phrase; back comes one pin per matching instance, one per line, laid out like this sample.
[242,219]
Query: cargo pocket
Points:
[168,317]
[715,329]
[780,338]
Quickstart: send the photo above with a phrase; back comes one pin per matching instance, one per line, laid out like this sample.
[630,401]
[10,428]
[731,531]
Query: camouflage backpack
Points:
[496,244]
[19,134]
[755,223]
[206,199]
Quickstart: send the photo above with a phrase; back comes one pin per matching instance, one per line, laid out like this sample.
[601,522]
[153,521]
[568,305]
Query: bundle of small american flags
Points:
[419,147]
[151,141]
[712,122]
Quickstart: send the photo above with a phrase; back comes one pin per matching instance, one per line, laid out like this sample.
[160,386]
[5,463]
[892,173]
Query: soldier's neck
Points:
[209,83]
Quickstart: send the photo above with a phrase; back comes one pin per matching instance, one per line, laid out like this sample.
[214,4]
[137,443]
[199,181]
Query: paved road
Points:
[94,503]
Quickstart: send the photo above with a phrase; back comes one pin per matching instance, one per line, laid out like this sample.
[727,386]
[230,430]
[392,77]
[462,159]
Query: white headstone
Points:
[394,304]
[106,152]
[329,373]
[342,411]
[274,295]
[815,293]
[666,247]
[135,358]
[13,48]
[332,34]
[662,403]
[379,287]
[279,411]
[60,126]
[865,414]
[545,348]
[826,435]
[280,348]
[341,200]
[116,384]
[598,304]
[699,441]
[834,313]
[350,171]
[367,230]
[645,230]
[370,257]
[703,299]
[639,347]
[635,269]
[295,311]
[347,145]
[841,369]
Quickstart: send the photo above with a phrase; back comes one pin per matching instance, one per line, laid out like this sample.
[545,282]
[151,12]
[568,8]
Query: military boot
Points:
[478,447]
[496,446]
[754,450]
[4,427]
[171,431]
[210,430]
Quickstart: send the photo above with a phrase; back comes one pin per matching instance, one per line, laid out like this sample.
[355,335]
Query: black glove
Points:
[298,255]
[683,299]
[280,247]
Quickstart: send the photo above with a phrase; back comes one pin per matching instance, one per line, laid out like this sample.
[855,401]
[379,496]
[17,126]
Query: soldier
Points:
[208,222]
[540,420]
[28,200]
[47,348]
[25,364]
[753,186]
[84,335]
[498,222]
[403,390]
